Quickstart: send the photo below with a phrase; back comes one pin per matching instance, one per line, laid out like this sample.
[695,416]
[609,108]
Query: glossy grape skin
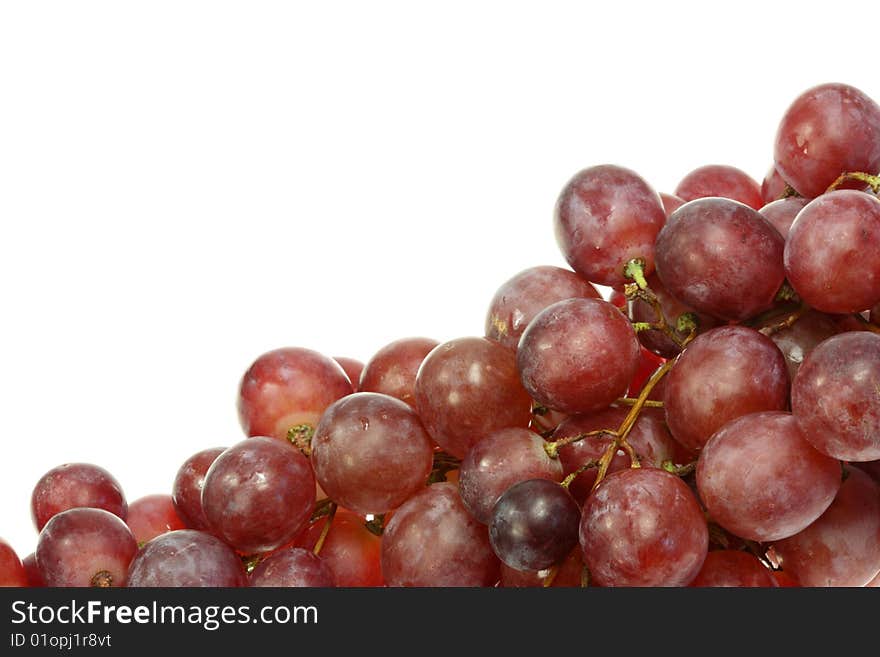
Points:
[721,258]
[604,217]
[671,202]
[467,388]
[672,308]
[351,552]
[578,355]
[433,541]
[827,130]
[152,515]
[733,568]
[500,460]
[568,574]
[648,364]
[186,558]
[798,340]
[76,485]
[834,396]
[288,387]
[392,370]
[761,480]
[842,547]
[85,547]
[186,492]
[353,368]
[723,374]
[773,186]
[649,437]
[643,527]
[258,494]
[12,571]
[522,297]
[370,452]
[292,567]
[720,180]
[534,524]
[782,213]
[32,570]
[829,253]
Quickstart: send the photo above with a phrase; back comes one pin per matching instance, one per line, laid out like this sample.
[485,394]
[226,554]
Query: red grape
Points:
[835,396]
[828,130]
[370,452]
[466,389]
[76,485]
[258,494]
[723,374]
[720,257]
[773,186]
[720,180]
[534,524]
[733,568]
[643,527]
[32,570]
[186,492]
[433,541]
[152,515]
[842,547]
[798,340]
[569,574]
[782,213]
[351,552]
[292,567]
[761,480]
[12,571]
[519,299]
[829,253]
[500,460]
[289,387]
[578,355]
[85,547]
[353,368]
[392,370]
[606,216]
[671,203]
[186,558]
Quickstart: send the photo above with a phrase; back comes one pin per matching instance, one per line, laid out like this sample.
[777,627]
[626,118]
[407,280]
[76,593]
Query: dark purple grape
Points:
[292,567]
[723,374]
[835,396]
[433,541]
[519,299]
[258,494]
[578,355]
[370,452]
[830,252]
[186,493]
[842,547]
[760,480]
[74,485]
[720,180]
[392,370]
[606,216]
[828,130]
[85,547]
[287,388]
[643,527]
[186,558]
[720,257]
[500,460]
[733,568]
[534,524]
[466,389]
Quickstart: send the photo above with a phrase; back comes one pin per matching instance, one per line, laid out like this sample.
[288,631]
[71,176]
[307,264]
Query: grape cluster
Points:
[696,402]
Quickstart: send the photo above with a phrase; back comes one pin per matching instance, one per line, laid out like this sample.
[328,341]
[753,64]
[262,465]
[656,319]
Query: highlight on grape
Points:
[693,403]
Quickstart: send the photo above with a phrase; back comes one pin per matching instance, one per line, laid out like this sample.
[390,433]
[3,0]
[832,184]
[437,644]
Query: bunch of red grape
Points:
[714,422]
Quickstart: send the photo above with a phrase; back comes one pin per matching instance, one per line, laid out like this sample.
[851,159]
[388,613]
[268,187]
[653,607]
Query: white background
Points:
[186,185]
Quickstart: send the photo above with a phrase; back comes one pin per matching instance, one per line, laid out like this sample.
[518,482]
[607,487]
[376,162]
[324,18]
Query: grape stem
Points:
[869,326]
[786,322]
[566,483]
[679,470]
[326,529]
[856,176]
[635,269]
[300,436]
[548,580]
[629,401]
